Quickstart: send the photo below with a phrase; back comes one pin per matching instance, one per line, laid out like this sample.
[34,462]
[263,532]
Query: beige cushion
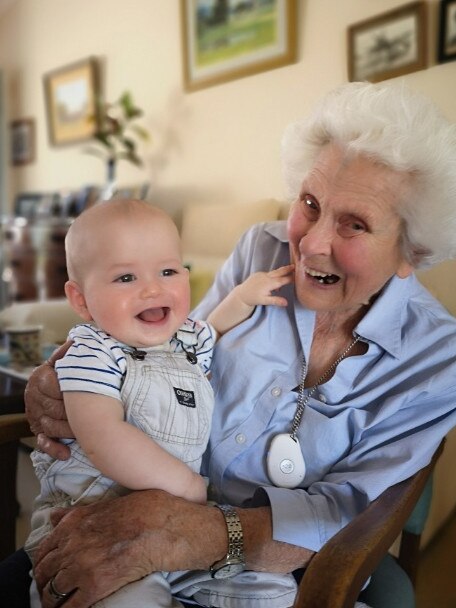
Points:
[214,229]
[55,316]
[441,282]
[284,211]
[205,262]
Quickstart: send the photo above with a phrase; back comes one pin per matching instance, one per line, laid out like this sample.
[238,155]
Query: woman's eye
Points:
[309,205]
[308,201]
[168,272]
[351,228]
[125,278]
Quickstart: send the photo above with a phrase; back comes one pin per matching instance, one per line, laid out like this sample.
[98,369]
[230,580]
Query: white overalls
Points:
[170,399]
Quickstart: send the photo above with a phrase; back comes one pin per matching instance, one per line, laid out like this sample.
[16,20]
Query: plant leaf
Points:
[141,132]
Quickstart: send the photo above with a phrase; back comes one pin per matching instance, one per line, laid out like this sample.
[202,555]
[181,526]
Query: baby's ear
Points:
[77,300]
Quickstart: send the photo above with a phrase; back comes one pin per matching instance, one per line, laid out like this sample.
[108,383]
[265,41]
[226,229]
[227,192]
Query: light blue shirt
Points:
[373,424]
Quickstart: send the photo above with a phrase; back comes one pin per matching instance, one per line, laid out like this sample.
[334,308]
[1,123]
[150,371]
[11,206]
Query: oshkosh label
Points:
[186,398]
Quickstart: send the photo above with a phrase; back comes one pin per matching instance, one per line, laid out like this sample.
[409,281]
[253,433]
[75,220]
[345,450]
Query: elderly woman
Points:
[322,405]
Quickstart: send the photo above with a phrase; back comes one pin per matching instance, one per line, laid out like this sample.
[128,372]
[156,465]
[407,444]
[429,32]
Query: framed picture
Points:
[226,39]
[71,94]
[388,45]
[22,141]
[447,32]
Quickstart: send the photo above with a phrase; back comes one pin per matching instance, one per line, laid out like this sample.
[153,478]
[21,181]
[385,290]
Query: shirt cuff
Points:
[294,520]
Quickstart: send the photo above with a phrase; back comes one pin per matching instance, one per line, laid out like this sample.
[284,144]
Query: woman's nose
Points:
[317,239]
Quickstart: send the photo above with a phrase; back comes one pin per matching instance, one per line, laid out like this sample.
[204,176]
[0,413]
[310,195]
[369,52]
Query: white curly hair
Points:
[401,129]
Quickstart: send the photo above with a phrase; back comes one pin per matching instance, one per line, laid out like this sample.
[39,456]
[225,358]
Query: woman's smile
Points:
[323,278]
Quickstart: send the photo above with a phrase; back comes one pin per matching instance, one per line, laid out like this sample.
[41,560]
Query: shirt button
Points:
[276,391]
[322,398]
[240,438]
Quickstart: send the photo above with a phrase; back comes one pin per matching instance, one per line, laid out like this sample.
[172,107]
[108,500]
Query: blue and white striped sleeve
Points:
[95,363]
[206,336]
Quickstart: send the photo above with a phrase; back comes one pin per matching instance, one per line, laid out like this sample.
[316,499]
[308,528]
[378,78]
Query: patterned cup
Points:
[24,345]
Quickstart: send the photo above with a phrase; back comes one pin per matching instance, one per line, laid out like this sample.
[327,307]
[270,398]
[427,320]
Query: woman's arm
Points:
[124,453]
[129,537]
[45,409]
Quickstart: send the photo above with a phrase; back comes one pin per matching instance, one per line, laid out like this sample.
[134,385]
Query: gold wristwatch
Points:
[233,562]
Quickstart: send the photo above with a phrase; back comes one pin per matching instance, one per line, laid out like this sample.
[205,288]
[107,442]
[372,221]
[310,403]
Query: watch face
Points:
[228,570]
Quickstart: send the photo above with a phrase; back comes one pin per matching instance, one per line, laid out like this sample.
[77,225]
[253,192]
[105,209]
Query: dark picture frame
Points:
[22,134]
[388,45]
[71,95]
[446,50]
[221,42]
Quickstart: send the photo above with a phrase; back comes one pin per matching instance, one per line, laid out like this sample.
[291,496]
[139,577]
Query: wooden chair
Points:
[13,427]
[338,572]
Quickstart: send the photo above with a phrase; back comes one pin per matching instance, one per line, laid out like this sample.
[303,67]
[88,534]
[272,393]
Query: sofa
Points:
[209,233]
[207,243]
[55,317]
[441,282]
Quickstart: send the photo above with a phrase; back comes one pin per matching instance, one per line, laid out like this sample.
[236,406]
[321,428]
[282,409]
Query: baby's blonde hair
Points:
[85,227]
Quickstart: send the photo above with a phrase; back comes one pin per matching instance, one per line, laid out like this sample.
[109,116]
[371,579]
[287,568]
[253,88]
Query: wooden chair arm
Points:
[337,573]
[14,427]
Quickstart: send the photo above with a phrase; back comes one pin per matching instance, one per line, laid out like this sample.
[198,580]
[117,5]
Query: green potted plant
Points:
[117,136]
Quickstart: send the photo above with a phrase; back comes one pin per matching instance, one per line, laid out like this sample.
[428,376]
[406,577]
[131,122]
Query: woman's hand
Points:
[44,407]
[97,549]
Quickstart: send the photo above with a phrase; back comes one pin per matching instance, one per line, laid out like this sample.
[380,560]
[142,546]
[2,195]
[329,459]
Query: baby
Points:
[134,380]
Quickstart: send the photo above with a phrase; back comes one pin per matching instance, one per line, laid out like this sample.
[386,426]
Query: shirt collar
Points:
[383,322]
[278,230]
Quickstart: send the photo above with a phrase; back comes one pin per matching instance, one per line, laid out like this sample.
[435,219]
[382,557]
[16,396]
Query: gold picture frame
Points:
[388,45]
[223,42]
[71,94]
[446,50]
[22,133]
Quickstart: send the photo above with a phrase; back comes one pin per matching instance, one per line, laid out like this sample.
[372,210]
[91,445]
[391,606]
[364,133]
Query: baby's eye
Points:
[168,272]
[125,278]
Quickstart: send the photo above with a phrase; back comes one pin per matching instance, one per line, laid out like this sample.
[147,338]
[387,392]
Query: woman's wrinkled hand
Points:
[44,407]
[94,550]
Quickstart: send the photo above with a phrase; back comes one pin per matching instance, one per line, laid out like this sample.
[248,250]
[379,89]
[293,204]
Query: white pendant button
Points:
[287,466]
[285,462]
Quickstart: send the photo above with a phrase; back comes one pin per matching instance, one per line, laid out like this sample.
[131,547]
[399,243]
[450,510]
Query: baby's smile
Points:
[153,315]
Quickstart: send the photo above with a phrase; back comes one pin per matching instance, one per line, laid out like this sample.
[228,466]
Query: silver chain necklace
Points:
[285,461]
[303,401]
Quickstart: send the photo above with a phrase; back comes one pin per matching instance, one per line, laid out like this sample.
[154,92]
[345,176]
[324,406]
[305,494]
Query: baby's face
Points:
[135,286]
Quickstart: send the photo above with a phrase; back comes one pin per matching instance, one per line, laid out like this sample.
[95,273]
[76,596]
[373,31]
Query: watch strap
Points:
[235,554]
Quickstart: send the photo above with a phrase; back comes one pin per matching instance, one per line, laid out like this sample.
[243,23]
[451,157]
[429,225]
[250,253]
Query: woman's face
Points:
[345,231]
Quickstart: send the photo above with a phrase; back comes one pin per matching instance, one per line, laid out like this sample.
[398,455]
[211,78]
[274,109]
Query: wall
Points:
[217,144]
[220,143]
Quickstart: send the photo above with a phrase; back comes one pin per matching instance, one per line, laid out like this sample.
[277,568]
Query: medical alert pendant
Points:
[285,462]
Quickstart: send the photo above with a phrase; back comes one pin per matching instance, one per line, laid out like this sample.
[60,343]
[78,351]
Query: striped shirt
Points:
[97,363]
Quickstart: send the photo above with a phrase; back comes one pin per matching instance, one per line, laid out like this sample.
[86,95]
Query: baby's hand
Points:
[259,287]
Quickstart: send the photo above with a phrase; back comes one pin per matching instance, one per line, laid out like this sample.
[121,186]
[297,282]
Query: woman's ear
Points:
[404,270]
[77,300]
